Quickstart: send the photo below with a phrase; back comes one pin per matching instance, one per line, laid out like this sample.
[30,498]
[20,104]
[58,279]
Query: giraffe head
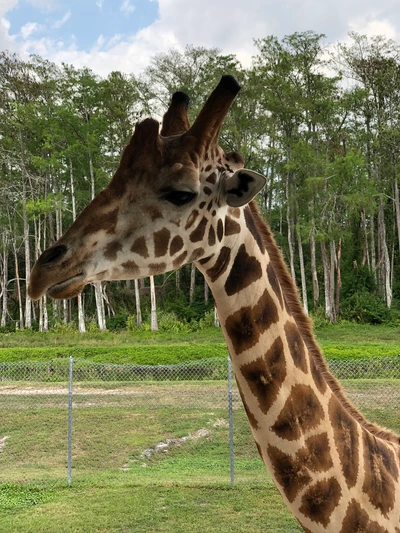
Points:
[162,209]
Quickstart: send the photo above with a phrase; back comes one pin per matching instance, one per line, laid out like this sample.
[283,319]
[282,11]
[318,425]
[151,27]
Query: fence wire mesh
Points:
[34,405]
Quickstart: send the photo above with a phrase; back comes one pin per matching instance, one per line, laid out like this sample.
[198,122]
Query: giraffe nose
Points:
[52,254]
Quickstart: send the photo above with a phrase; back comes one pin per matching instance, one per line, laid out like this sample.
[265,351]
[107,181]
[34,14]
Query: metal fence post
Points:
[70,375]
[230,409]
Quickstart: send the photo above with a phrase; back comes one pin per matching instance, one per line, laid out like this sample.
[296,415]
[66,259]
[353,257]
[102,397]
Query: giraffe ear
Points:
[242,186]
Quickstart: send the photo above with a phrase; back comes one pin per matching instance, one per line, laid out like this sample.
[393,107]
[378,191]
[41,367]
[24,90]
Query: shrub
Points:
[368,308]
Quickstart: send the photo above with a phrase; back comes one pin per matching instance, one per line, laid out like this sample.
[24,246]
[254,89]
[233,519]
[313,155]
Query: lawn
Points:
[116,486]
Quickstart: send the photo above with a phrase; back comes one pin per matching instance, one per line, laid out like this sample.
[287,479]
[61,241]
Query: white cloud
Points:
[127,7]
[230,25]
[374,27]
[62,21]
[29,28]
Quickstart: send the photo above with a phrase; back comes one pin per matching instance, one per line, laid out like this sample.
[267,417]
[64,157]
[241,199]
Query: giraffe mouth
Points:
[67,288]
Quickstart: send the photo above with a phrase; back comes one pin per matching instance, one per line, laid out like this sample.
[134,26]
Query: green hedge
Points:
[157,354]
[138,354]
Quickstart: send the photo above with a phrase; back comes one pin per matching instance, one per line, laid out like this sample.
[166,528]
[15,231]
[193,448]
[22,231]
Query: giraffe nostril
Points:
[53,253]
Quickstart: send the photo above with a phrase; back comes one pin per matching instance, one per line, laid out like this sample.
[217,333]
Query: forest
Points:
[320,121]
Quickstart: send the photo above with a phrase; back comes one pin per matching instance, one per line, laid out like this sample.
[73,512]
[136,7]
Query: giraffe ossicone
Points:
[178,198]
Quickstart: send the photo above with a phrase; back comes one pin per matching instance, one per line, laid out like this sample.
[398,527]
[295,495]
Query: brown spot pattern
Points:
[155,214]
[207,190]
[273,281]
[301,412]
[191,219]
[157,268]
[381,472]
[206,259]
[357,521]
[106,222]
[266,374]
[198,233]
[179,260]
[221,264]
[320,500]
[234,211]
[245,271]
[245,326]
[296,346]
[346,440]
[212,178]
[112,249]
[317,377]
[196,254]
[292,473]
[176,245]
[211,236]
[288,471]
[252,419]
[140,247]
[130,266]
[316,454]
[231,226]
[251,225]
[220,230]
[161,242]
[202,205]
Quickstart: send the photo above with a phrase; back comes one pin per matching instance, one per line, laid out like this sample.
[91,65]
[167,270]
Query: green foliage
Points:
[137,354]
[367,308]
[117,322]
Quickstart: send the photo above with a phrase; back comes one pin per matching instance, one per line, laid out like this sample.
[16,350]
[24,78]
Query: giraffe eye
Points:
[179,197]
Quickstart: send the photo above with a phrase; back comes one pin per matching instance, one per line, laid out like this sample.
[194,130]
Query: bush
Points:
[117,322]
[367,308]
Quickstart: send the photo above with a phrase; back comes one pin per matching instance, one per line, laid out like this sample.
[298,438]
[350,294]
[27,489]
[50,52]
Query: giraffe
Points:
[177,198]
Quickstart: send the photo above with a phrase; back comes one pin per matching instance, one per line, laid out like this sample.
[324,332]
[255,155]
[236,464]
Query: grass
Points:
[341,341]
[114,488]
[117,489]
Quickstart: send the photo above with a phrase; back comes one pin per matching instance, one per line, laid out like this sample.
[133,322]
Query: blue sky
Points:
[108,35]
[81,21]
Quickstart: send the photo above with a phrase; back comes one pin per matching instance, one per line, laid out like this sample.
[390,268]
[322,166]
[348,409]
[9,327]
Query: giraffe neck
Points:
[326,460]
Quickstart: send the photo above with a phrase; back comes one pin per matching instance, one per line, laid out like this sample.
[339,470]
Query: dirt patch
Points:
[3,442]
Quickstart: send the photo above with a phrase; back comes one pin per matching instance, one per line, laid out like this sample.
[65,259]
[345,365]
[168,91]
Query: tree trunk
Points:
[4,307]
[217,323]
[365,259]
[192,282]
[153,312]
[397,207]
[332,281]
[290,231]
[81,314]
[28,305]
[101,318]
[81,310]
[139,321]
[21,312]
[338,278]
[325,264]
[314,274]
[206,291]
[373,253]
[384,259]
[98,293]
[302,272]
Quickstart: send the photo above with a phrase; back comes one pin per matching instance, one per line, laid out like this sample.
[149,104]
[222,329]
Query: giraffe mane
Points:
[304,324]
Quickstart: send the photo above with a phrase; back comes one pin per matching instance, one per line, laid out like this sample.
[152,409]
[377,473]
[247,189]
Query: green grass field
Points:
[118,489]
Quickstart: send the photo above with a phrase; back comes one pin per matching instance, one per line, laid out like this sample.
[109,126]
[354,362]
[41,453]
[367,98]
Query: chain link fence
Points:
[104,400]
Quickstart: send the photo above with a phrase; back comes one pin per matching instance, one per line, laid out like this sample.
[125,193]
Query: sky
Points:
[107,35]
